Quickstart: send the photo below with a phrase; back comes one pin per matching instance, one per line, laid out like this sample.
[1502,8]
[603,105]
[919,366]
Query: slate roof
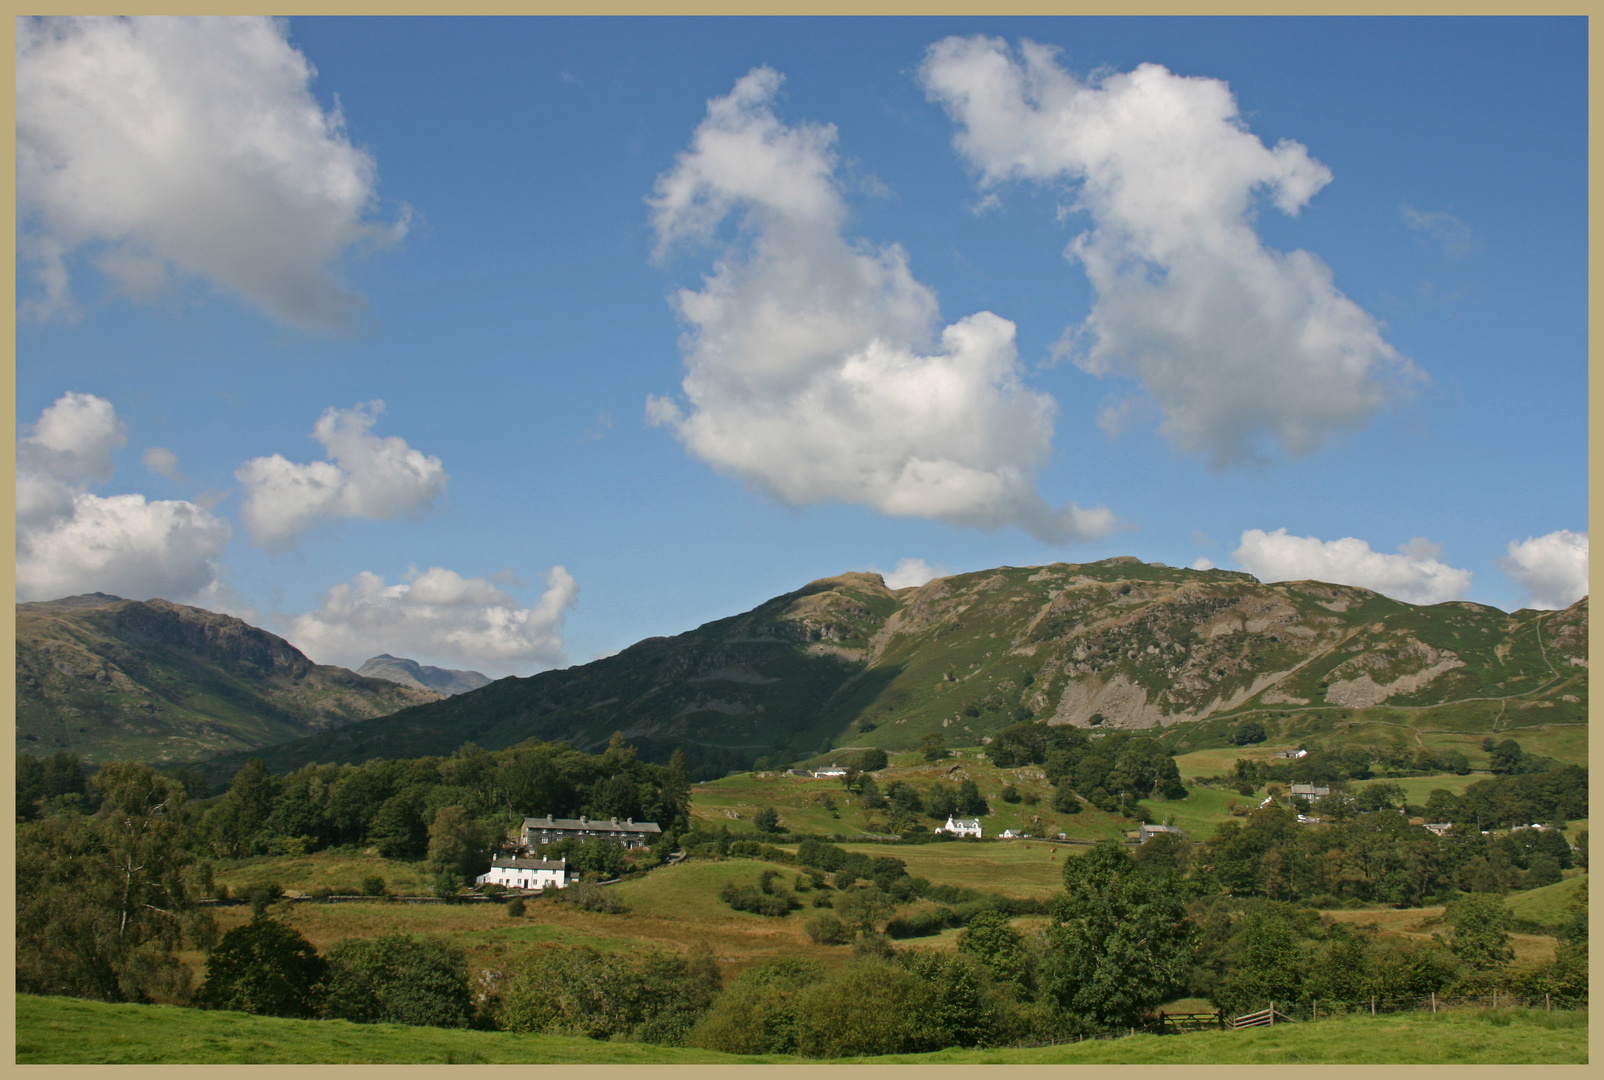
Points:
[581,824]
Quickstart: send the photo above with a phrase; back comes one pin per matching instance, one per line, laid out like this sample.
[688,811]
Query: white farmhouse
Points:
[833,771]
[525,873]
[961,827]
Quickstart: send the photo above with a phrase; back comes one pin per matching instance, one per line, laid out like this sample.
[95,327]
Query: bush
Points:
[374,886]
[516,907]
[826,929]
[264,967]
[493,890]
[591,897]
[917,924]
[265,895]
[395,979]
[758,1014]
[1248,733]
[775,903]
[577,991]
[868,1007]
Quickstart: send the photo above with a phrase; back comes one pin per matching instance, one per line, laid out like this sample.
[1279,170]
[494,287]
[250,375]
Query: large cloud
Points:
[70,541]
[1240,345]
[187,144]
[1415,575]
[437,616]
[1552,569]
[367,477]
[815,371]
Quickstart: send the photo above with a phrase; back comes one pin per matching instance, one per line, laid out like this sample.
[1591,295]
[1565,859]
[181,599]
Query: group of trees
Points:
[1376,857]
[110,865]
[393,804]
[1341,762]
[1112,771]
[267,967]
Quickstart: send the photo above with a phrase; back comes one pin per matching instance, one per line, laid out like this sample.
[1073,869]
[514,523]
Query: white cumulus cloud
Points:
[913,572]
[1416,575]
[366,477]
[437,616]
[1552,569]
[1241,346]
[72,541]
[815,369]
[191,146]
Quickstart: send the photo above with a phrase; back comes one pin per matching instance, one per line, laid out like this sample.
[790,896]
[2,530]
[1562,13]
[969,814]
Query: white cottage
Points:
[525,873]
[961,827]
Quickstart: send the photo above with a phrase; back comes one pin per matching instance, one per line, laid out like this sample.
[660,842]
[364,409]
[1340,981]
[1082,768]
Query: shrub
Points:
[758,1014]
[373,885]
[577,991]
[516,907]
[826,929]
[264,967]
[395,979]
[592,897]
[868,1007]
[775,903]
[916,924]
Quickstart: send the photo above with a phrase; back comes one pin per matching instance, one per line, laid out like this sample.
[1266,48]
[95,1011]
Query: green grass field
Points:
[340,869]
[70,1031]
[1548,906]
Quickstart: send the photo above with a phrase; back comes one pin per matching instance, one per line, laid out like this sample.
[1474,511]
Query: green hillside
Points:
[113,679]
[846,662]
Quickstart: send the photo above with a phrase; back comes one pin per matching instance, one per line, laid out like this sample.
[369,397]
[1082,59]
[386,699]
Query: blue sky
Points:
[700,310]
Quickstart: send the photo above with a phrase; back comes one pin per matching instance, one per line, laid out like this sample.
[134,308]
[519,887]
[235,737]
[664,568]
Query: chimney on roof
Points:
[630,821]
[583,819]
[615,822]
[548,819]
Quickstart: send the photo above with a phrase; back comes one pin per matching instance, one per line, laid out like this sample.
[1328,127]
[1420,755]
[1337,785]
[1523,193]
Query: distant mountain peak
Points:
[398,669]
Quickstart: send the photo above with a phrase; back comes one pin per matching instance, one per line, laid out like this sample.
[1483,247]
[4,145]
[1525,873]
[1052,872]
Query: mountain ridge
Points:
[1114,644]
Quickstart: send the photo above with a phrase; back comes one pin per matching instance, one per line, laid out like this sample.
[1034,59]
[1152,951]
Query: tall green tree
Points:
[101,900]
[1121,940]
[457,845]
[1267,965]
[1478,932]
